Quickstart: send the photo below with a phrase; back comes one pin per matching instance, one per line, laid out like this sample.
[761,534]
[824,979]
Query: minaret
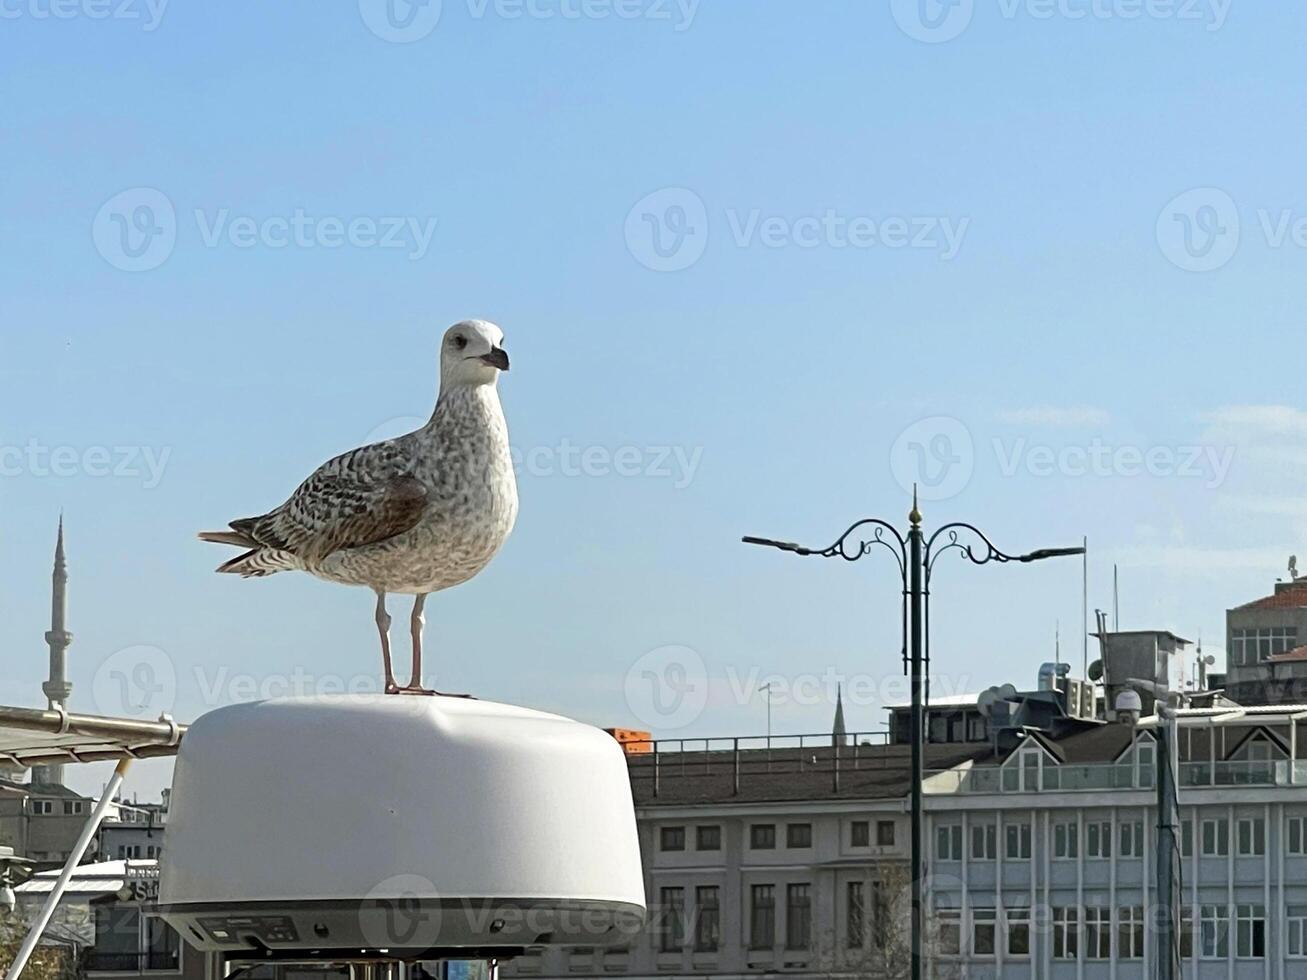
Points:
[839,736]
[57,689]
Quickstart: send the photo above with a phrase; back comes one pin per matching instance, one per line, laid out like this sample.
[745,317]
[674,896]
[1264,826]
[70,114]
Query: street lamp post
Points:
[916,557]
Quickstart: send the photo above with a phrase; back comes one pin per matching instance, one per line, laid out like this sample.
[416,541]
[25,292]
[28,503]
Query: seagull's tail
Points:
[229,537]
[257,562]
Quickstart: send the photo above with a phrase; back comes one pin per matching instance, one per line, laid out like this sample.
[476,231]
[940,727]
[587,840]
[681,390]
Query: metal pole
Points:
[1166,813]
[915,559]
[74,859]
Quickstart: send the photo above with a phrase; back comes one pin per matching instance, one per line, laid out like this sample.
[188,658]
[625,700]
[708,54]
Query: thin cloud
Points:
[1259,420]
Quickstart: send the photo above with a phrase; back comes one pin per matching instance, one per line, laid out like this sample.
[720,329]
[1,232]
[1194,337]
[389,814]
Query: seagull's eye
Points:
[460,342]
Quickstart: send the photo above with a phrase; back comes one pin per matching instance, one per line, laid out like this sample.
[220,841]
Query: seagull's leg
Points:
[416,624]
[383,627]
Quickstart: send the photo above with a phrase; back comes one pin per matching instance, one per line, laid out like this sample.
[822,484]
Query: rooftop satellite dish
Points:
[1209,660]
[1008,692]
[1096,670]
[1293,567]
[985,701]
[378,827]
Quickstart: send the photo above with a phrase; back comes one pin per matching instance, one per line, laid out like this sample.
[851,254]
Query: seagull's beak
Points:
[497,357]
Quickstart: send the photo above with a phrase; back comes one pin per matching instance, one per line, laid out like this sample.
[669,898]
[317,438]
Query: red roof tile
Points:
[1298,653]
[1287,595]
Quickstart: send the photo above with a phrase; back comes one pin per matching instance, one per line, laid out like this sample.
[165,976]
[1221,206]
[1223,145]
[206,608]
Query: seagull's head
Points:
[472,353]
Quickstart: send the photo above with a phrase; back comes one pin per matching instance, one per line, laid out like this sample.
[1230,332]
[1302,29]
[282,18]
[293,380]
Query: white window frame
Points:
[1130,839]
[1018,833]
[1295,932]
[1247,919]
[948,922]
[1295,831]
[1098,926]
[1016,916]
[952,834]
[984,917]
[1098,839]
[1130,932]
[1066,840]
[1250,838]
[984,841]
[1066,933]
[1220,837]
[1213,932]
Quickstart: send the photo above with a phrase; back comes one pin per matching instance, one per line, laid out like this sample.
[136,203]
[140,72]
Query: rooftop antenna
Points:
[1293,568]
[1116,601]
[1084,609]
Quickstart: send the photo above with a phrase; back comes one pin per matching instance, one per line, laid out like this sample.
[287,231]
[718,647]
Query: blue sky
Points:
[766,263]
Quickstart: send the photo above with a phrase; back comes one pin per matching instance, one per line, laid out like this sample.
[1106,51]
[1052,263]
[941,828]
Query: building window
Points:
[1130,932]
[1098,839]
[1250,647]
[879,916]
[860,833]
[798,835]
[43,808]
[1066,933]
[1297,834]
[72,807]
[1066,841]
[984,926]
[1216,838]
[1186,933]
[762,836]
[672,932]
[984,841]
[1251,836]
[707,919]
[1296,942]
[1018,841]
[672,839]
[1132,839]
[949,924]
[885,833]
[855,920]
[1250,934]
[1186,838]
[798,916]
[762,916]
[708,837]
[1098,933]
[948,842]
[1017,929]
[1214,932]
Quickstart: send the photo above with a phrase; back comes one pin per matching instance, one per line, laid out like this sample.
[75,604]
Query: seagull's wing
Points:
[362,497]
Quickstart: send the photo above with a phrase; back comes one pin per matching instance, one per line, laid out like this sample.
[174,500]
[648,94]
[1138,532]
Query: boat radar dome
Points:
[398,827]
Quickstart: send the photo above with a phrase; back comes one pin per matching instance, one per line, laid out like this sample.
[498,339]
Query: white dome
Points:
[407,822]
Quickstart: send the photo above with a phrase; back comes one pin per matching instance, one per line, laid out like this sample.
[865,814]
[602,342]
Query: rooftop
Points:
[1287,595]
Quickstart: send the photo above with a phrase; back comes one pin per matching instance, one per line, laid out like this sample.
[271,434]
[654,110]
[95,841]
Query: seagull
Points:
[409,516]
